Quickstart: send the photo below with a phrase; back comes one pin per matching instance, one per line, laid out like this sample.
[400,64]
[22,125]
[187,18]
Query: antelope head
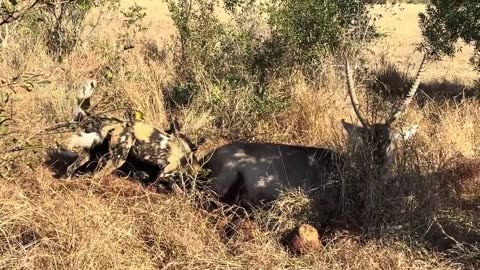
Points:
[378,139]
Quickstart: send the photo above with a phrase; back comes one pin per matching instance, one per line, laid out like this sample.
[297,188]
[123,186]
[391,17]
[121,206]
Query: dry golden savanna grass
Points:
[430,222]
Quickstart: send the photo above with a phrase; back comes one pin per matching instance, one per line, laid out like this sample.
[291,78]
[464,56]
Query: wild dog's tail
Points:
[84,93]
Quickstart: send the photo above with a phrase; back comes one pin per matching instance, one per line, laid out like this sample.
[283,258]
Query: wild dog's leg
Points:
[169,170]
[82,159]
[120,144]
[152,152]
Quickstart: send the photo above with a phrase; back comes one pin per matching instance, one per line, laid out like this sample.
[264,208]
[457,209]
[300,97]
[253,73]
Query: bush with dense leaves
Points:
[260,40]
[445,22]
[307,29]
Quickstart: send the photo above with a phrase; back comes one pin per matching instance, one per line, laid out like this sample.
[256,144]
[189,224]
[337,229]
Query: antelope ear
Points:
[352,129]
[406,134]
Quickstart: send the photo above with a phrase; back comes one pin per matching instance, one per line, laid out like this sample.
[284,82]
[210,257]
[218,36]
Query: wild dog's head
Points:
[91,129]
[83,138]
[189,160]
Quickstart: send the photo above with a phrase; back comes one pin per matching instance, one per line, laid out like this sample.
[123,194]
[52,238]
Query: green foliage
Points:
[64,22]
[209,49]
[299,33]
[309,28]
[218,64]
[132,24]
[232,61]
[399,1]
[445,22]
[134,17]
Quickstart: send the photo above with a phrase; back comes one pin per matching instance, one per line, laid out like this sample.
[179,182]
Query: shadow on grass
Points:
[439,211]
[58,161]
[392,84]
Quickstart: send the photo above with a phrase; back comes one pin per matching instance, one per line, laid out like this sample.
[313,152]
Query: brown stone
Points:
[304,239]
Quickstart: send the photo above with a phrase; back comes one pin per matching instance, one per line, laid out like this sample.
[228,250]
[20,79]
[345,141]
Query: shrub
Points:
[223,61]
[307,29]
[209,50]
[445,22]
[299,32]
[65,21]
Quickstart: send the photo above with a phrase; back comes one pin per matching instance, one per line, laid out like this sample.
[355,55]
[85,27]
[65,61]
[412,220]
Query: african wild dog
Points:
[172,152]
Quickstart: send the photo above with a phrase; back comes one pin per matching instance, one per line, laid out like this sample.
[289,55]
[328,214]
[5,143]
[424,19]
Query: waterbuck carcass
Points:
[251,173]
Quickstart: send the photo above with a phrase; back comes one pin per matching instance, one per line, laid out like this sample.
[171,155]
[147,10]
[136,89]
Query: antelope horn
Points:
[408,98]
[353,96]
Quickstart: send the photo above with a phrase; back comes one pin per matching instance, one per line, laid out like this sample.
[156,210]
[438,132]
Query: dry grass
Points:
[400,25]
[118,224]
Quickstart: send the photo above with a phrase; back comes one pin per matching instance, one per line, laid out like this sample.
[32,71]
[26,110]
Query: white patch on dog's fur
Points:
[84,140]
[86,88]
[164,143]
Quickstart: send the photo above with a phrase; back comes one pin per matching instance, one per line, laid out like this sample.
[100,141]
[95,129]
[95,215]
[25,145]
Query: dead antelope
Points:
[256,172]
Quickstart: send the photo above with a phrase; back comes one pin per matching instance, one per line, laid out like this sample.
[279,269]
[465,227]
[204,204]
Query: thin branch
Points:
[15,16]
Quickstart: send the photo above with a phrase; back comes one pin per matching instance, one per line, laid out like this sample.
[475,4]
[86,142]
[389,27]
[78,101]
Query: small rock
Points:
[304,239]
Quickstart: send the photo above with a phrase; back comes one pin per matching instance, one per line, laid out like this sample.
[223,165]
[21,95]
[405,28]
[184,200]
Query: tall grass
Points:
[420,220]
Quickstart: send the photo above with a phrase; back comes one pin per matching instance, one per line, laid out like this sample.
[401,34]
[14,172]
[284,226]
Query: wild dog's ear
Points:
[86,88]
[406,134]
[193,147]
